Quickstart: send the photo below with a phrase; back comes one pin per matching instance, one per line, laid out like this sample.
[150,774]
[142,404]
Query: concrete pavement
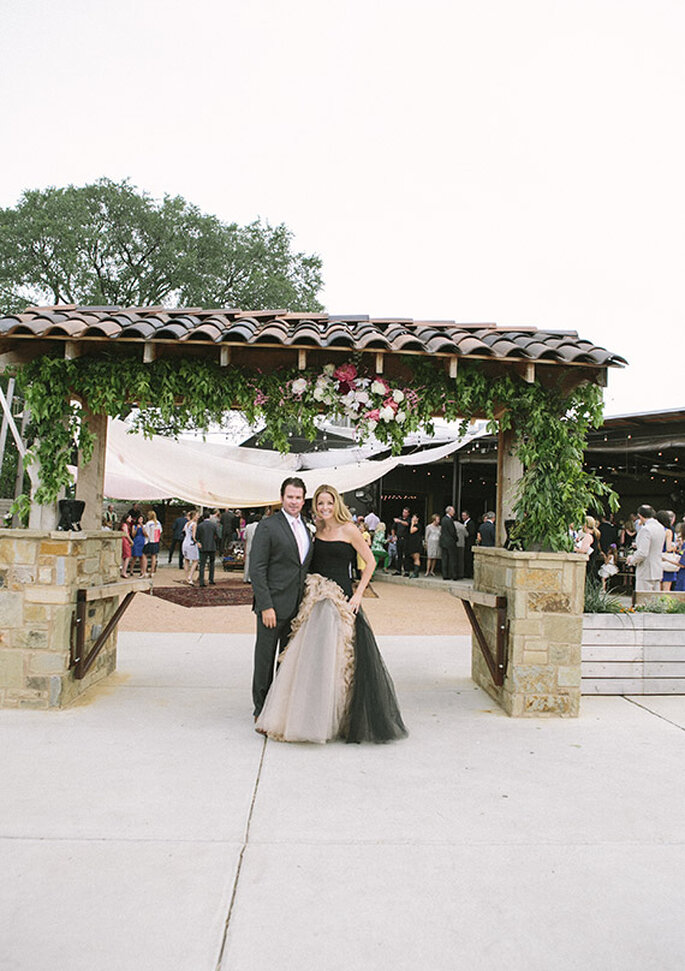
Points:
[150,827]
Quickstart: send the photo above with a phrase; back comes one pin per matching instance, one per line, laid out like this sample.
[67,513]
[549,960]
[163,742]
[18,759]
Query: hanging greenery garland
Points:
[174,395]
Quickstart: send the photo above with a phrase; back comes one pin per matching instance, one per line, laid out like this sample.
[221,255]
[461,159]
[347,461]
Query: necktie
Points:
[299,539]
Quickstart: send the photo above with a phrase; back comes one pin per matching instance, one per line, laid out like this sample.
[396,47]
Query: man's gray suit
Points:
[277,578]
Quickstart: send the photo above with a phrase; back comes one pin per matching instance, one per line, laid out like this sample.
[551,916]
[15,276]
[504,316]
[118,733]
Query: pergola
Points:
[271,339]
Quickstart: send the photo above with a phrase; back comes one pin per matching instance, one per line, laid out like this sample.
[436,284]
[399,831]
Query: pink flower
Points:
[345,376]
[374,415]
[390,403]
[260,398]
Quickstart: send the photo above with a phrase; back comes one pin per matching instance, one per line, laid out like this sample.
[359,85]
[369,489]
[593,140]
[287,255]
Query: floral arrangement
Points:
[370,402]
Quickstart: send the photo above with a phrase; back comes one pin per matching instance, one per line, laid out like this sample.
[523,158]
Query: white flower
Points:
[398,396]
[400,417]
[299,385]
[372,427]
[387,414]
[378,388]
[329,369]
[319,392]
[362,397]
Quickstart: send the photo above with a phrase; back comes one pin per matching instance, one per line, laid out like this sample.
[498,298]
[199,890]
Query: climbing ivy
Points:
[170,396]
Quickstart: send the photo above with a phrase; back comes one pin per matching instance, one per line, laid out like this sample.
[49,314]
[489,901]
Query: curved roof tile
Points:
[291,329]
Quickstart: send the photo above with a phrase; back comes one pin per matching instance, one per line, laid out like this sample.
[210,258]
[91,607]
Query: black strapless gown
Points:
[332,682]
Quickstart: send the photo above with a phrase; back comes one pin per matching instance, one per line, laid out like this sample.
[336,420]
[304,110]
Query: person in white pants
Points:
[647,557]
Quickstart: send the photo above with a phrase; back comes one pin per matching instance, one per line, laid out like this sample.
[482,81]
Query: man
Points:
[280,556]
[110,516]
[608,534]
[227,529]
[470,540]
[206,537]
[402,530]
[647,557]
[486,530]
[448,545]
[177,537]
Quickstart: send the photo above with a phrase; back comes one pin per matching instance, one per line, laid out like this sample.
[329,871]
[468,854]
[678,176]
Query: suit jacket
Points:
[647,556]
[487,533]
[207,534]
[276,574]
[471,529]
[448,532]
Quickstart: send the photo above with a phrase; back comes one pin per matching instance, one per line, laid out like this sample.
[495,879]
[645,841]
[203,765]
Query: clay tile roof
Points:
[212,326]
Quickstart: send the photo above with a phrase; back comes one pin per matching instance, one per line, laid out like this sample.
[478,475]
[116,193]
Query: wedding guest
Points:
[402,530]
[378,545]
[647,556]
[471,530]
[126,545]
[191,554]
[486,530]
[432,540]
[177,538]
[153,535]
[680,547]
[392,550]
[414,545]
[628,532]
[665,517]
[448,546]
[207,540]
[138,534]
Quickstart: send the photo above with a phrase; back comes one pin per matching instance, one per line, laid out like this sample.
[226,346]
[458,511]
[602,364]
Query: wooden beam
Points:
[90,485]
[149,353]
[509,473]
[72,350]
[379,362]
[301,359]
[529,374]
[454,363]
[225,355]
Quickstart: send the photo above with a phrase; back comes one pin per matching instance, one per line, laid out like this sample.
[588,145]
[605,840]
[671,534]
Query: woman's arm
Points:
[353,536]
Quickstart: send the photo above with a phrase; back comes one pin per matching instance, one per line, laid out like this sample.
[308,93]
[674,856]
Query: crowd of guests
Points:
[649,543]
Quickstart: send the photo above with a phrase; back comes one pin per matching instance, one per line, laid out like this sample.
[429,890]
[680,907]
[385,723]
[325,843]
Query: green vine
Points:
[170,396]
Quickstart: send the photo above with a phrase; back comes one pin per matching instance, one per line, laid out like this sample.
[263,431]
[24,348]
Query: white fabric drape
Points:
[211,474]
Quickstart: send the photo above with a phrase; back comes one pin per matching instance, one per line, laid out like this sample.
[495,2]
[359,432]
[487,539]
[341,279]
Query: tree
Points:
[107,244]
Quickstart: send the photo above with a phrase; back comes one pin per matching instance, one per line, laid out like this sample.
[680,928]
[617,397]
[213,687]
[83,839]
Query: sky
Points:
[518,163]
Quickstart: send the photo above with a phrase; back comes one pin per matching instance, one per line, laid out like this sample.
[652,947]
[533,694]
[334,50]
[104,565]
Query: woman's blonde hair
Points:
[341,513]
[151,514]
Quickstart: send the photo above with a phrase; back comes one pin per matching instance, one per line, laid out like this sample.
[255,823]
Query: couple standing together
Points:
[331,681]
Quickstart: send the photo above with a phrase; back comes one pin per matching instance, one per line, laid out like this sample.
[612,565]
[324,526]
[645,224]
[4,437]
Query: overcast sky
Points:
[508,161]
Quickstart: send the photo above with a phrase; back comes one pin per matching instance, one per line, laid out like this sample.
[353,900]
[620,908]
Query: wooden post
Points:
[509,472]
[90,486]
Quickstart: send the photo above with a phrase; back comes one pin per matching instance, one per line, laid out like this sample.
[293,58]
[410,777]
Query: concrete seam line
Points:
[655,713]
[236,880]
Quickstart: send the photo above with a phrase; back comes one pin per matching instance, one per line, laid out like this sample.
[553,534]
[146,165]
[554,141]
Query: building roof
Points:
[198,331]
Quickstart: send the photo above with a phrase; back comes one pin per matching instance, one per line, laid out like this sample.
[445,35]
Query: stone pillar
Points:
[90,484]
[545,596]
[40,573]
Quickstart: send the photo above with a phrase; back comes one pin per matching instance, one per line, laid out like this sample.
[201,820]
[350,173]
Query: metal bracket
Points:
[497,662]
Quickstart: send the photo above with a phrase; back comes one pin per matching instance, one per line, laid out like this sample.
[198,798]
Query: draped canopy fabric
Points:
[211,474]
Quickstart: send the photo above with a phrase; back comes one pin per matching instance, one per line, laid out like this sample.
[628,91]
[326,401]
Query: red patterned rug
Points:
[222,595]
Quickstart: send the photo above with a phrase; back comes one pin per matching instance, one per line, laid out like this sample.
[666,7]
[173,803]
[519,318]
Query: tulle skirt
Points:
[331,682]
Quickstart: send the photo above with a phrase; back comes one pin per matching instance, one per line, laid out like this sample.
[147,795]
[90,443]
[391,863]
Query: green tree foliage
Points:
[107,244]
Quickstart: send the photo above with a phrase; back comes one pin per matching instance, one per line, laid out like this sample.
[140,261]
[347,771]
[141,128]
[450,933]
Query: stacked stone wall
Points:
[545,594]
[40,574]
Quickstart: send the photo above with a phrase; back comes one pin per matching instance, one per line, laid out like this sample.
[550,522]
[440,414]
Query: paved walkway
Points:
[150,828]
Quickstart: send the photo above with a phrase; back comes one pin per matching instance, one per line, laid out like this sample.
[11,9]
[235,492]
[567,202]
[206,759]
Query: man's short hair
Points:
[489,515]
[646,511]
[293,480]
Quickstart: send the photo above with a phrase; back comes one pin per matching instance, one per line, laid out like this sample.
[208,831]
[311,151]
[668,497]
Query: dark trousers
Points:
[448,561]
[402,555]
[180,551]
[270,641]
[468,560]
[207,556]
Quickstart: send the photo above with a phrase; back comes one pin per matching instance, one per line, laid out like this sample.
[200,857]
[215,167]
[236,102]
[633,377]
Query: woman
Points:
[332,682]
[191,554]
[668,577]
[126,547]
[628,534]
[378,549]
[138,533]
[679,584]
[153,535]
[432,544]
[414,544]
[588,542]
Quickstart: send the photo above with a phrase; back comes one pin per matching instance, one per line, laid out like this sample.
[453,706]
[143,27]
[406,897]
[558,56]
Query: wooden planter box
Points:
[633,654]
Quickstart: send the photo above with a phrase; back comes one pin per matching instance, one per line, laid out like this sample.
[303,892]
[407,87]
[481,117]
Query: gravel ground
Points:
[396,609]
